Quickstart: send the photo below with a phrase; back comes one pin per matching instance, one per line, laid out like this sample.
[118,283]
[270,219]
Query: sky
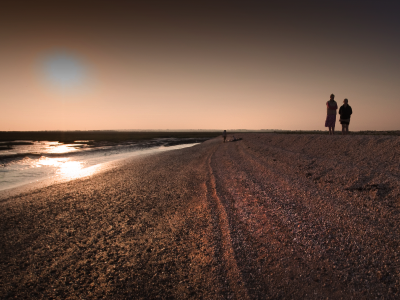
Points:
[109,65]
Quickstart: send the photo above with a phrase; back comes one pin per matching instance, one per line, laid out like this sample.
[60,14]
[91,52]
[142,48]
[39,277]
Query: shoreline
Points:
[43,183]
[269,216]
[84,173]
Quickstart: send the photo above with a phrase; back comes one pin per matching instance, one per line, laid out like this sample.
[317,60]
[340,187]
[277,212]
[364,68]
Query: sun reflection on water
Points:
[65,167]
[70,169]
[47,161]
[61,148]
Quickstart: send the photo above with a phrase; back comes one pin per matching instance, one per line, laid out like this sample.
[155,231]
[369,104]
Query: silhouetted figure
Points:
[224,135]
[331,114]
[345,112]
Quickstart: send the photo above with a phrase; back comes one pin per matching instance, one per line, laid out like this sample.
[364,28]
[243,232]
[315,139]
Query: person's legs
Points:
[343,129]
[347,128]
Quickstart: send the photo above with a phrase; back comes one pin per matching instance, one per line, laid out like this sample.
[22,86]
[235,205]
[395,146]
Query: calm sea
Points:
[28,162]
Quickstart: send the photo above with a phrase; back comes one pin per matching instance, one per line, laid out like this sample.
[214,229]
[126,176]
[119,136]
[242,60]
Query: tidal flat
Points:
[29,157]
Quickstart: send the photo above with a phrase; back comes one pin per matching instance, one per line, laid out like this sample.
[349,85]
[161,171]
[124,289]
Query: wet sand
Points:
[273,216]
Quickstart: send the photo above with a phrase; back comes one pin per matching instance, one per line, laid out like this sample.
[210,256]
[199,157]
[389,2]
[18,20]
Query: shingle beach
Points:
[271,216]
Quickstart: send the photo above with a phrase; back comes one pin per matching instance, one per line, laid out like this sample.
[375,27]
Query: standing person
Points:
[224,135]
[331,114]
[345,112]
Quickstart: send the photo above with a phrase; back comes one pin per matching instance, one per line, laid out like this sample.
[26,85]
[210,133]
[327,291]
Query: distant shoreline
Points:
[338,132]
[101,136]
[95,136]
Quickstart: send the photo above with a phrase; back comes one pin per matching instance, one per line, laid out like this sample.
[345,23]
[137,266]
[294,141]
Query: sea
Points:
[28,162]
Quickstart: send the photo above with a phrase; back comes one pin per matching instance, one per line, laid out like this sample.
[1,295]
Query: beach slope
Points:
[272,216]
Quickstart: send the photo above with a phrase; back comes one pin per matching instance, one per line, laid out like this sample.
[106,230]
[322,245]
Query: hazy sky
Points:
[222,65]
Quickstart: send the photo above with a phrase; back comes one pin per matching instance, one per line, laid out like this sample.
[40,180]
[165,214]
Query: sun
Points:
[64,71]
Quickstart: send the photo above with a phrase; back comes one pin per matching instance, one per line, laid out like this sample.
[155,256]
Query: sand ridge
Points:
[271,216]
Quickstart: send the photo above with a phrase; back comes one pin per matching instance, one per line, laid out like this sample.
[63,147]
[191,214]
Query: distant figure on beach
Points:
[331,114]
[224,135]
[345,112]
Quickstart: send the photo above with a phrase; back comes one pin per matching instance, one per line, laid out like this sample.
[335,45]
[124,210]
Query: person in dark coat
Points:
[345,112]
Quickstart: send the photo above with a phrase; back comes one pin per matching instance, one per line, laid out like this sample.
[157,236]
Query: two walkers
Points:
[345,112]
